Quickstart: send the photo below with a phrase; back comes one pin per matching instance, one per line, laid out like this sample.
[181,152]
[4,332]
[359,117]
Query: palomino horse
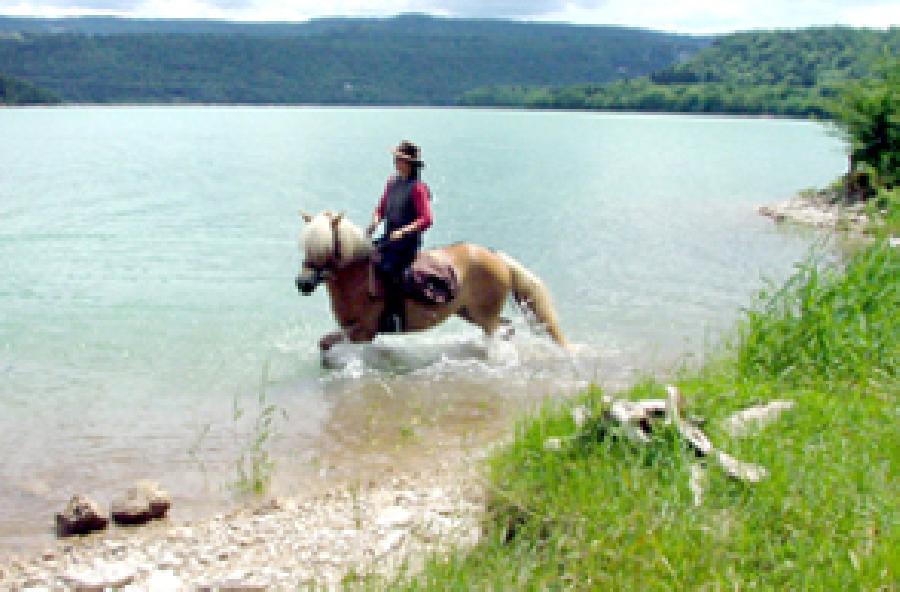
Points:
[336,252]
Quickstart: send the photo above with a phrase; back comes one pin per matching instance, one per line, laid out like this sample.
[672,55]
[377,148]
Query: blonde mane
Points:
[317,240]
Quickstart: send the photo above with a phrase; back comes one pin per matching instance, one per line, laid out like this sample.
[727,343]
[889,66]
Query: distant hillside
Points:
[807,57]
[774,72]
[410,59]
[18,92]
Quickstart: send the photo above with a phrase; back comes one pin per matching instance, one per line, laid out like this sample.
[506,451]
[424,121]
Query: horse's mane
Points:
[318,240]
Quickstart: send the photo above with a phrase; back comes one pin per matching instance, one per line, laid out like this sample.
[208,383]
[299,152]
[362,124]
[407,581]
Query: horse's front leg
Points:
[354,333]
[330,340]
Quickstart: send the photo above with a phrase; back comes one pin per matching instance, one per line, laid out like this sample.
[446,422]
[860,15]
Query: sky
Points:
[684,16]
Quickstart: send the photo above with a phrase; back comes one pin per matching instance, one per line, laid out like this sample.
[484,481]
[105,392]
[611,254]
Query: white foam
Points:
[465,352]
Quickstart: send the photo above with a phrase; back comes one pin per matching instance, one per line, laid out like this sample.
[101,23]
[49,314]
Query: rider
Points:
[406,212]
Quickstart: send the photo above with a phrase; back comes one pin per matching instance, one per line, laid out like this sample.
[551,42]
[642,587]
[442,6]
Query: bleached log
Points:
[674,403]
[698,440]
[553,444]
[634,419]
[652,407]
[702,445]
[742,422]
[739,469]
[580,415]
[631,417]
[698,476]
[694,435]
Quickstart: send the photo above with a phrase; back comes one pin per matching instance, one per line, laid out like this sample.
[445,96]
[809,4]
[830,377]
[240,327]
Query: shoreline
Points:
[378,514]
[819,210]
[382,510]
[396,106]
[351,533]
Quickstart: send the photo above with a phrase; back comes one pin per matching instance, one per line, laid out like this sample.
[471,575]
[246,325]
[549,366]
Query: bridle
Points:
[322,271]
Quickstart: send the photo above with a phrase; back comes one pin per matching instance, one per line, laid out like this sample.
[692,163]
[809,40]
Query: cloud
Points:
[508,8]
[688,16]
[302,8]
[711,16]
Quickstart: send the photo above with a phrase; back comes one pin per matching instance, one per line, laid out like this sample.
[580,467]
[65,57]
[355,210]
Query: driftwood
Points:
[741,470]
[742,422]
[697,479]
[635,419]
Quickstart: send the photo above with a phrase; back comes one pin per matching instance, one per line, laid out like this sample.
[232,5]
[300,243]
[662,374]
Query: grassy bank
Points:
[600,513]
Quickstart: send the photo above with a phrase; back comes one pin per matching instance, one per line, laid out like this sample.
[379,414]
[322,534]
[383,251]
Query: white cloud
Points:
[699,14]
[690,16]
[711,16]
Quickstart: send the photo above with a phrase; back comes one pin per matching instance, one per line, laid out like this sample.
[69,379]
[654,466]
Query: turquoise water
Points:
[148,257]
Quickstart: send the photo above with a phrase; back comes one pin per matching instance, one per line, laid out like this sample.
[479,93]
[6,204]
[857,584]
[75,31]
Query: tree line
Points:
[409,60]
[18,92]
[796,73]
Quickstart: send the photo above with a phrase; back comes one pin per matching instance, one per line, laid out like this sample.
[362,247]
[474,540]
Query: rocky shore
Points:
[354,534]
[812,209]
[841,206]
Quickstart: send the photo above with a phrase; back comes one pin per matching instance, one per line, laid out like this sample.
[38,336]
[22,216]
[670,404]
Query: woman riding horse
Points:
[338,254]
[406,212]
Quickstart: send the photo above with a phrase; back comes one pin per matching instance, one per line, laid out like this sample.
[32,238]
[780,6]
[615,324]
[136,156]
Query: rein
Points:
[335,244]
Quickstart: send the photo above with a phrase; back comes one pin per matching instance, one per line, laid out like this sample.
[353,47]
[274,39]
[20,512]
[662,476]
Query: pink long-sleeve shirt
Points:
[421,199]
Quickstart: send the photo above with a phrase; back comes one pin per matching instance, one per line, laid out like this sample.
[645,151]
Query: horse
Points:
[336,252]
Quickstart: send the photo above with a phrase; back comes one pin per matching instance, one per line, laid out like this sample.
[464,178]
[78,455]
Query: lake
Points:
[148,313]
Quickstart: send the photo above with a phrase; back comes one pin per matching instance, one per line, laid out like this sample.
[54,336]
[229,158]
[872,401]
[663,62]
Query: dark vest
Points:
[400,209]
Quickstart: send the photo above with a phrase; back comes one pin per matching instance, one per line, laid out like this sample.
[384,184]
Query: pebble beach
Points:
[361,533]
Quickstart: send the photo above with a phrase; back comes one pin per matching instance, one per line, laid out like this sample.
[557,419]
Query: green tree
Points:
[18,92]
[868,112]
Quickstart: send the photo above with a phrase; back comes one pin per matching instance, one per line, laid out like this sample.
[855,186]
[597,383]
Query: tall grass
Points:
[605,514]
[827,323]
[254,465]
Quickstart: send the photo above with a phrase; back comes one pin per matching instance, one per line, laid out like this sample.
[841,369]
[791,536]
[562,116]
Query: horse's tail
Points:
[530,293]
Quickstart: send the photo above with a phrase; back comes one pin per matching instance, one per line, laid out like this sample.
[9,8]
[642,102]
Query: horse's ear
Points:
[306,217]
[337,220]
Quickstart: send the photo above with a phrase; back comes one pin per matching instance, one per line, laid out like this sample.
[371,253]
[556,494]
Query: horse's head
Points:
[328,242]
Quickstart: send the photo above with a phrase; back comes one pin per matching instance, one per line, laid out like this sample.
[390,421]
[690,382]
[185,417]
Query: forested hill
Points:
[18,92]
[807,57]
[410,59]
[763,72]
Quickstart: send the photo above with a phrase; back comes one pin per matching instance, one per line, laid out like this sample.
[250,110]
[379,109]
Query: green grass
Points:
[826,323]
[604,514]
[884,209]
[254,466]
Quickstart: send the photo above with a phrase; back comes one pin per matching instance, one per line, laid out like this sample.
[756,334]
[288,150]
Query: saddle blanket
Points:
[431,279]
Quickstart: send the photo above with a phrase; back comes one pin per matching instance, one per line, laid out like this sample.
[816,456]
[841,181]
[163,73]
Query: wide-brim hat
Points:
[409,152]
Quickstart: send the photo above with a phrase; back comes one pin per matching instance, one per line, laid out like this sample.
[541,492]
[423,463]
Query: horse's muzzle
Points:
[307,283]
[305,286]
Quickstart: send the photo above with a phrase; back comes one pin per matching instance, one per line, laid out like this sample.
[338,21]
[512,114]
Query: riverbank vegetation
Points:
[599,512]
[19,92]
[867,113]
[793,73]
[595,511]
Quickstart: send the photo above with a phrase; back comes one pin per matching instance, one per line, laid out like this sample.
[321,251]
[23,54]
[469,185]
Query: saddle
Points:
[431,279]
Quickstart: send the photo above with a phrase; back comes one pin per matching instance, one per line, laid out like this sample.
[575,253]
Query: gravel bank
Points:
[372,531]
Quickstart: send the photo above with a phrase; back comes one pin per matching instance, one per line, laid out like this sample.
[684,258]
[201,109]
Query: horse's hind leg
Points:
[487,316]
[506,329]
[488,325]
[499,326]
